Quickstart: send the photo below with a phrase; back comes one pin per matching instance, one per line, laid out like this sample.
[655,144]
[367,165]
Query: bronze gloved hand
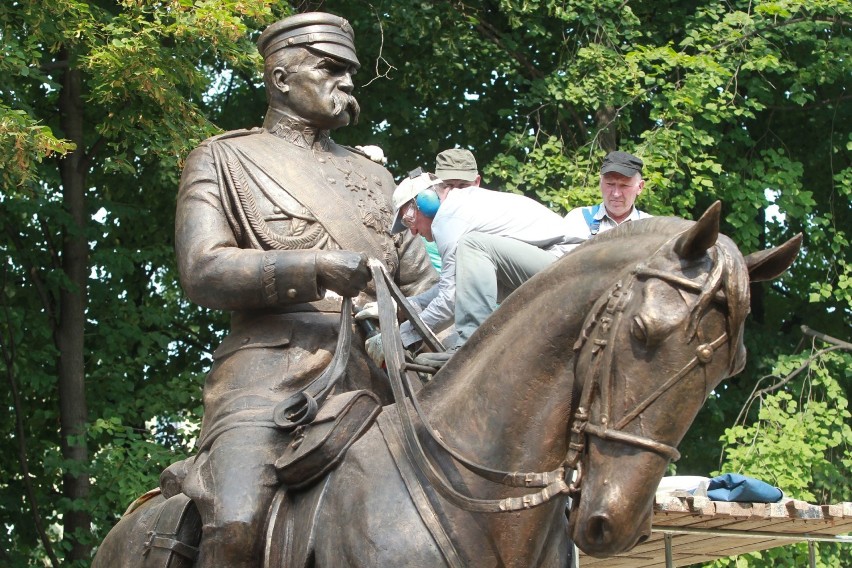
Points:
[343,272]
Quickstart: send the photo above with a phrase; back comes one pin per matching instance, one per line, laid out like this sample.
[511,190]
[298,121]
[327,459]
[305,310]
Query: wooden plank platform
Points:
[766,523]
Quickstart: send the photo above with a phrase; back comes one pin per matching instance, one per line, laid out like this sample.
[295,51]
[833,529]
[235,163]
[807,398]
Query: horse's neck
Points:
[508,404]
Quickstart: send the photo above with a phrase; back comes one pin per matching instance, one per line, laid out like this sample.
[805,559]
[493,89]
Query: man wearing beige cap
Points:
[275,225]
[457,168]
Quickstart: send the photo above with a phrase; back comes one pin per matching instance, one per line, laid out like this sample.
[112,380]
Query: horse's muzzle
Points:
[598,536]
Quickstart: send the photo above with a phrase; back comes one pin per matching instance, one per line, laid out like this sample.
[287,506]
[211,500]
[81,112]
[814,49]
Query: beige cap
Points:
[456,163]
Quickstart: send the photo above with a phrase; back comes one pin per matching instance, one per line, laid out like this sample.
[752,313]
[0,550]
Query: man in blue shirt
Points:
[620,182]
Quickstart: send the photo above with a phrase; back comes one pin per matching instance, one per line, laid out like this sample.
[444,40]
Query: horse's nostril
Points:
[641,539]
[599,529]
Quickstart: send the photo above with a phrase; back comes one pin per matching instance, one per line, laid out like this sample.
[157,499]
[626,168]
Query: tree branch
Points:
[46,301]
[836,344]
[774,26]
[494,36]
[827,338]
[380,58]
[89,156]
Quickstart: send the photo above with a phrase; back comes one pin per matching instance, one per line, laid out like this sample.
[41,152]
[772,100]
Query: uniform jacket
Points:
[253,208]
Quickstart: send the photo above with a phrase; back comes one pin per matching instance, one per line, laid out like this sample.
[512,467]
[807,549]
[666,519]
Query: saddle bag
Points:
[318,447]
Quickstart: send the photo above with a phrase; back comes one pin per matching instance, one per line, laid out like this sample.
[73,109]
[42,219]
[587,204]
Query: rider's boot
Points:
[231,546]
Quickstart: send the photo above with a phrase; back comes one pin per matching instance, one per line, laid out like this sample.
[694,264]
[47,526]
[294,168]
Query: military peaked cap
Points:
[326,33]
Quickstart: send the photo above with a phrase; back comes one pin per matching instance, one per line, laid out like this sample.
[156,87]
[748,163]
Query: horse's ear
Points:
[694,242]
[771,263]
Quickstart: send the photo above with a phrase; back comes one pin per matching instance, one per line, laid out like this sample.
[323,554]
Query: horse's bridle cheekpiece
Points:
[598,334]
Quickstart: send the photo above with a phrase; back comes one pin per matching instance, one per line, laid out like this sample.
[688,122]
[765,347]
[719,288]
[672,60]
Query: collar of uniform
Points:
[297,133]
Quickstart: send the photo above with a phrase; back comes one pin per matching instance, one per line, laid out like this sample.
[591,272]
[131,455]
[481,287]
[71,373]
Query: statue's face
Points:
[318,91]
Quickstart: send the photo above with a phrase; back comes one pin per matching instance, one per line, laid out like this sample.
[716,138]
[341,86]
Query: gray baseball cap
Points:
[456,163]
[622,163]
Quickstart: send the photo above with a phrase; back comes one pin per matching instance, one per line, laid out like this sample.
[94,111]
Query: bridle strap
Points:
[619,436]
[704,353]
[616,433]
[608,314]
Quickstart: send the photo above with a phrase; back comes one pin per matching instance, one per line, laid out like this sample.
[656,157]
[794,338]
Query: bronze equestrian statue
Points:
[621,362]
[276,224]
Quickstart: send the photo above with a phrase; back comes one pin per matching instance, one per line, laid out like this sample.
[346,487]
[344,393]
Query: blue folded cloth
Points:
[742,489]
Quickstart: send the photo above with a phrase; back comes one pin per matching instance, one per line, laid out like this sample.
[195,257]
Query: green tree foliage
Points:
[800,440]
[100,100]
[99,103]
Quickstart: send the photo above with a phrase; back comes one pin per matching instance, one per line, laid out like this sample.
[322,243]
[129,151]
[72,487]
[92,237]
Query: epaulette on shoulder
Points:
[233,134]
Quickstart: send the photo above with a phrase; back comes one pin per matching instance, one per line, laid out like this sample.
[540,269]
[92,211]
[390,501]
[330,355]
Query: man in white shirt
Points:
[620,182]
[490,242]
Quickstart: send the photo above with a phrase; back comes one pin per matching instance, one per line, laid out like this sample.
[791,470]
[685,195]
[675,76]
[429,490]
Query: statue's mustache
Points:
[345,101]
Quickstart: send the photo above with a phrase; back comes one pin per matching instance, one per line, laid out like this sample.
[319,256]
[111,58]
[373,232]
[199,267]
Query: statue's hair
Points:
[289,59]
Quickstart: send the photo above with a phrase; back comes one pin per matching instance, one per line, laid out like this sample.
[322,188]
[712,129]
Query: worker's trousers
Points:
[489,268]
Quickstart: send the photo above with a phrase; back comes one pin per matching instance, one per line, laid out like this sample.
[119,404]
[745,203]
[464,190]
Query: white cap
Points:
[405,192]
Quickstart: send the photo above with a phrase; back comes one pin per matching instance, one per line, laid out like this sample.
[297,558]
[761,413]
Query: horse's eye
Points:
[638,330]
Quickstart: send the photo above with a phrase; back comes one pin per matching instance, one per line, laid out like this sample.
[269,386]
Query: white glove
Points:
[369,311]
[375,350]
[375,153]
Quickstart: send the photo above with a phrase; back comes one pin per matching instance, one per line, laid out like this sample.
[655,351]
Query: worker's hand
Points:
[375,153]
[369,311]
[375,350]
[343,272]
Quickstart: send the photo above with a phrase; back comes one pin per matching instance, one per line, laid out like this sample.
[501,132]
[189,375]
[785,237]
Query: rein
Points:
[302,407]
[553,482]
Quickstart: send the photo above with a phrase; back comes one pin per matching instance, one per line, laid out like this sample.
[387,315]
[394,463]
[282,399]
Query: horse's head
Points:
[650,353]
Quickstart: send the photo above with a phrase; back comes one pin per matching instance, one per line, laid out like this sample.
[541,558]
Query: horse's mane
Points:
[653,225]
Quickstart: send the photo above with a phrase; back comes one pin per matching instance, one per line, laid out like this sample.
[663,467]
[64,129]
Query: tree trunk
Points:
[73,411]
[605,119]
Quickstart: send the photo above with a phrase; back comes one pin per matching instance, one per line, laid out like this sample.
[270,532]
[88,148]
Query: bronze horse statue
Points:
[589,374]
